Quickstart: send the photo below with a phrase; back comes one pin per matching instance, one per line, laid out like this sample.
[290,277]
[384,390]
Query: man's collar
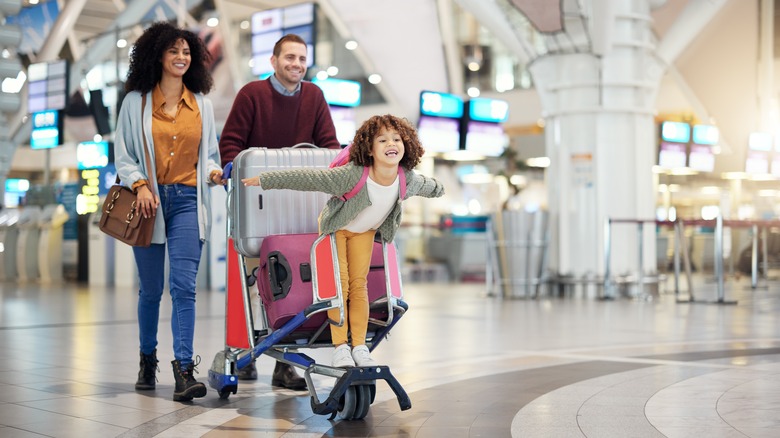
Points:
[281,89]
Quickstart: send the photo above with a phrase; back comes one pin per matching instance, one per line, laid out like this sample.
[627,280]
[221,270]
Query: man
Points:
[278,112]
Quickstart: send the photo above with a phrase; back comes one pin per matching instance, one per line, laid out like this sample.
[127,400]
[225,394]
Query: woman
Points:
[166,150]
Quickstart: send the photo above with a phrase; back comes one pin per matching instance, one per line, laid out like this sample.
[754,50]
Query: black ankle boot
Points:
[187,387]
[147,375]
[285,376]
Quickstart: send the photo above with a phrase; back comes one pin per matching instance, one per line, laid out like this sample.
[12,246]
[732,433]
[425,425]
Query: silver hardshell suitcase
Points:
[259,213]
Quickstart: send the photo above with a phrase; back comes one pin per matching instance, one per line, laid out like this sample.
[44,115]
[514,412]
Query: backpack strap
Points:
[363,178]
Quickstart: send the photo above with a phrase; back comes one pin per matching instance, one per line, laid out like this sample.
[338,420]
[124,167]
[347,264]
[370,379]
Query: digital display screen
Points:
[438,134]
[339,91]
[672,155]
[270,25]
[440,104]
[488,110]
[760,141]
[701,158]
[487,139]
[92,154]
[344,121]
[705,134]
[47,86]
[46,130]
[756,163]
[677,132]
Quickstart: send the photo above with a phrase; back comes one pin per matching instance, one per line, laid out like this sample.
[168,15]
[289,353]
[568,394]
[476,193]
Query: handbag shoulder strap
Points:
[143,135]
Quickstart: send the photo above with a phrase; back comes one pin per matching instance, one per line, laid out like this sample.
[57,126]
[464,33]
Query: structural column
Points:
[601,141]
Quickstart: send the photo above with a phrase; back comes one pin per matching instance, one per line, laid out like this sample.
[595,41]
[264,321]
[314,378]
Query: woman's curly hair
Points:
[362,144]
[146,59]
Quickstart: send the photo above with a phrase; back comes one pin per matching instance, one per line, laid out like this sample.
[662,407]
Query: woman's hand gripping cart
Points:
[298,281]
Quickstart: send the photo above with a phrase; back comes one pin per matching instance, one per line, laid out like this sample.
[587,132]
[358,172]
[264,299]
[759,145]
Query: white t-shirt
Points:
[383,198]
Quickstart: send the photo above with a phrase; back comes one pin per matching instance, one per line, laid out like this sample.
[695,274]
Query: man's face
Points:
[290,65]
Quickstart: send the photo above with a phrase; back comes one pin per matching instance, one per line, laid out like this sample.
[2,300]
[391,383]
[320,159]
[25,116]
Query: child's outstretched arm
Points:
[254,181]
[427,187]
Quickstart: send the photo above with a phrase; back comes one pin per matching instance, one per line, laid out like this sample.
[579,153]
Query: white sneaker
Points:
[342,358]
[362,357]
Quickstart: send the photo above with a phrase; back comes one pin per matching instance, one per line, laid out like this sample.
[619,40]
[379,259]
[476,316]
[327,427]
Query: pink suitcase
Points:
[285,280]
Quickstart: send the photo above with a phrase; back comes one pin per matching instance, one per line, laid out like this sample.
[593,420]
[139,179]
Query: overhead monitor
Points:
[486,139]
[760,141]
[93,154]
[706,134]
[757,163]
[672,155]
[339,92]
[488,110]
[439,134]
[677,132]
[47,130]
[433,103]
[270,25]
[701,158]
[47,87]
[345,123]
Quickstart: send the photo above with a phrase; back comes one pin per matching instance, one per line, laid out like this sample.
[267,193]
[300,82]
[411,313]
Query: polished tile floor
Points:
[473,366]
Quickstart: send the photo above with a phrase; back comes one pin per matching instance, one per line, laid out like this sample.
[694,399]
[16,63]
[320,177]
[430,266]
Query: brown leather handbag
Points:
[121,217]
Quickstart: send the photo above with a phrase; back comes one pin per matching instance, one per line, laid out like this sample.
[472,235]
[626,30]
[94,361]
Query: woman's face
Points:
[176,60]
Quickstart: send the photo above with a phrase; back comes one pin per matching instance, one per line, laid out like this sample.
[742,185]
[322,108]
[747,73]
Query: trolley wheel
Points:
[225,392]
[348,404]
[364,399]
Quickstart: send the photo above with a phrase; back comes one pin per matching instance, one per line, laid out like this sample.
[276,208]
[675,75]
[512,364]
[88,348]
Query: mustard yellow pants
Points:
[354,252]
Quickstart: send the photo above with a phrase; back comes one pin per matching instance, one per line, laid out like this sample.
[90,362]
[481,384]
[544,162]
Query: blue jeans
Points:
[179,208]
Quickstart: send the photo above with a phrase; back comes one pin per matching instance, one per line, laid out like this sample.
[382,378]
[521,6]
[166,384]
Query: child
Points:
[387,145]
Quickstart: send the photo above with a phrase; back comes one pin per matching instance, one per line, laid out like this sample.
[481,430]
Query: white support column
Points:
[60,31]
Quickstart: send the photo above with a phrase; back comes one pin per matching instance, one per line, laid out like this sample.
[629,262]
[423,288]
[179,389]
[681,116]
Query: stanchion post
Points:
[677,244]
[607,248]
[754,258]
[764,252]
[640,278]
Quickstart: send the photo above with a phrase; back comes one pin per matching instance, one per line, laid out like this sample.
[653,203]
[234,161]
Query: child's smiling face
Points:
[388,147]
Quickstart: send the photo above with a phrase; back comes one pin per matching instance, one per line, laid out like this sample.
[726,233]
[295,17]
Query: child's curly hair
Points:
[145,59]
[360,152]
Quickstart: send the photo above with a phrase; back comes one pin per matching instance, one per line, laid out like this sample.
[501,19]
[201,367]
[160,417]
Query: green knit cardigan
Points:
[340,180]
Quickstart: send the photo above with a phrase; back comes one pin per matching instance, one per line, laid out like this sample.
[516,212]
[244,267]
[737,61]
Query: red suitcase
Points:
[285,281]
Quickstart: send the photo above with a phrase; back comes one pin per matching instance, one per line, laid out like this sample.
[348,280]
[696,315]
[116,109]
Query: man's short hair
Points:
[289,38]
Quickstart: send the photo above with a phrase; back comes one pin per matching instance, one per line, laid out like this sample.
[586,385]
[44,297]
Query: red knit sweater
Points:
[261,117]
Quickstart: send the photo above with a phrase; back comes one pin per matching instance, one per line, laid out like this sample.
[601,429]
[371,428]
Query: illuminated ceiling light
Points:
[375,78]
[663,188]
[121,43]
[351,45]
[463,155]
[762,177]
[473,91]
[244,25]
[518,180]
[474,66]
[673,188]
[322,75]
[683,171]
[538,162]
[212,22]
[710,190]
[97,138]
[767,193]
[734,175]
[333,70]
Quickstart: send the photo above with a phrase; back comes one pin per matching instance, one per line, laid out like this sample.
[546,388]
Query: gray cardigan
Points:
[340,180]
[131,165]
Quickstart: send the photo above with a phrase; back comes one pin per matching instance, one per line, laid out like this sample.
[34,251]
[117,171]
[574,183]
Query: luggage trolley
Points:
[298,280]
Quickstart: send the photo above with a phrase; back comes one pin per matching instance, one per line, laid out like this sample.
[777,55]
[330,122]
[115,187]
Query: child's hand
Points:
[255,181]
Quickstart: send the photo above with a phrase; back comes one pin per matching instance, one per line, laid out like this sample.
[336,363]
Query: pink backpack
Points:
[342,158]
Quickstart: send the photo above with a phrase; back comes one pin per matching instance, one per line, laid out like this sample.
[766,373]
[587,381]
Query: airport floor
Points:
[473,366]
